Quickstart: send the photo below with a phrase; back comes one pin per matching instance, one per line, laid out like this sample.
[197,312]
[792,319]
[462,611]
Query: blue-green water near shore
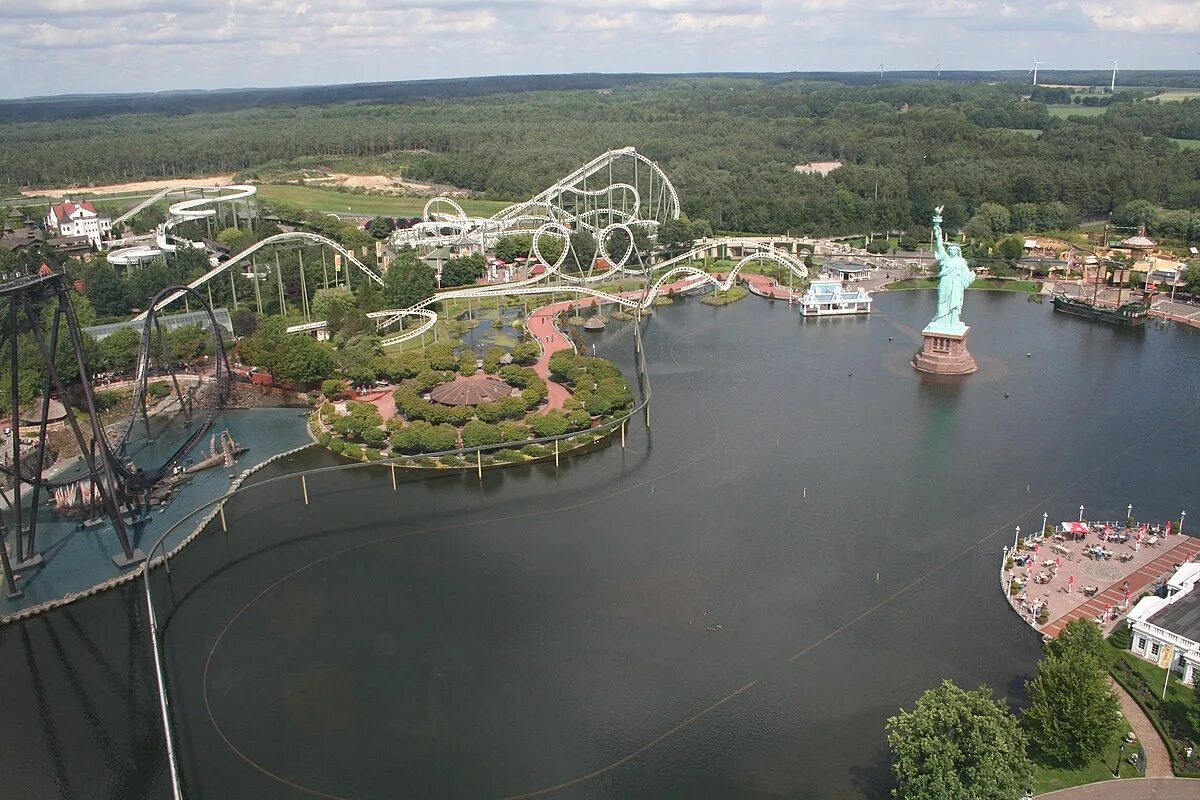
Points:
[673,620]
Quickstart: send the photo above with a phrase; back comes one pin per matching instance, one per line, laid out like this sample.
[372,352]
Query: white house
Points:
[1166,630]
[79,219]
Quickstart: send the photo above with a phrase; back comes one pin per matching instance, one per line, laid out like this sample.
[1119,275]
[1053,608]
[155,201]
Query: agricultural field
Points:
[1176,95]
[1064,111]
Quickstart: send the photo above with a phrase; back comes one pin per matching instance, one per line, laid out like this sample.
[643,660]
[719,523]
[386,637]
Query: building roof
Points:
[845,266]
[33,414]
[63,211]
[440,254]
[1181,617]
[469,391]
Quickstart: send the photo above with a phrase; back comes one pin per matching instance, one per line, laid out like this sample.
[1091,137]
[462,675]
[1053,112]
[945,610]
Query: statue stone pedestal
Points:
[944,353]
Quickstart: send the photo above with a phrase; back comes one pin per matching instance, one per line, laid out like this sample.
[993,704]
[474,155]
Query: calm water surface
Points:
[673,620]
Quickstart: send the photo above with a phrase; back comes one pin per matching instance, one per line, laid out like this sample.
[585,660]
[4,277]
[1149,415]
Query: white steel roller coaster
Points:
[634,194]
[626,188]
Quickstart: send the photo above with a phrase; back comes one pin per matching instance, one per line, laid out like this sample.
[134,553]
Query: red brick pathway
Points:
[1114,595]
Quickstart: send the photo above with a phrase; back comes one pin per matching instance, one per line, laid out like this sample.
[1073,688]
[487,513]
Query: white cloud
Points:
[131,45]
[1146,16]
[702,23]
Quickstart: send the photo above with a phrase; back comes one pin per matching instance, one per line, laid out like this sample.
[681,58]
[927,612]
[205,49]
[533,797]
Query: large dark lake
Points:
[806,539]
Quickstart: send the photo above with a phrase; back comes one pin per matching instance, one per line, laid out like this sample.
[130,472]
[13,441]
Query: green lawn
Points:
[312,199]
[1063,111]
[979,283]
[1145,682]
[1187,144]
[1049,779]
[1034,132]
[734,294]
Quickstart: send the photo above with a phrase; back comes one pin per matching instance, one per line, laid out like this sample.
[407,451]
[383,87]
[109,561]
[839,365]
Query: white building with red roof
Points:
[79,219]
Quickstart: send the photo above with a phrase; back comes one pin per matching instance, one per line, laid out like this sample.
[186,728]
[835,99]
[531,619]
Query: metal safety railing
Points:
[159,557]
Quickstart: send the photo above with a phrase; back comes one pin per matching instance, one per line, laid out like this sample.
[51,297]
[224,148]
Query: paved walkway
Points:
[1158,760]
[1132,789]
[1140,574]
[541,326]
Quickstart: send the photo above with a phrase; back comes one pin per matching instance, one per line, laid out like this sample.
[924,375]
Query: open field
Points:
[145,187]
[1034,132]
[1187,144]
[1063,111]
[313,199]
[1176,95]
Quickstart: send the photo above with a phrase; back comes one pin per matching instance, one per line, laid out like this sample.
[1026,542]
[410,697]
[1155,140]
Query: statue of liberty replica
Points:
[944,347]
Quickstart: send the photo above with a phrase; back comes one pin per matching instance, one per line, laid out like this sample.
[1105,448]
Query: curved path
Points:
[1132,789]
[1158,760]
[541,326]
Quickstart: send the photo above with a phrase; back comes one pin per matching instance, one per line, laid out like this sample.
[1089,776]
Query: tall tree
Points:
[958,745]
[1072,714]
[408,281]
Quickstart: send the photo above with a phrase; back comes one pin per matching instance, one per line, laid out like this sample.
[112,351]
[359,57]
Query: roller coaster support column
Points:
[15,405]
[128,555]
[31,556]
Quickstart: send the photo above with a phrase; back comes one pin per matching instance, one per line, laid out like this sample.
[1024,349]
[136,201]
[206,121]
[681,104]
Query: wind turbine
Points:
[1112,87]
[1036,64]
[881,69]
[939,67]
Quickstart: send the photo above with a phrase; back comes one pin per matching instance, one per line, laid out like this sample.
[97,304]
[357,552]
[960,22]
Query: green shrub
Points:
[490,412]
[508,455]
[109,399]
[553,423]
[439,438]
[374,437]
[324,438]
[513,431]
[158,390]
[353,451]
[536,450]
[373,454]
[337,446]
[478,434]
[526,352]
[332,389]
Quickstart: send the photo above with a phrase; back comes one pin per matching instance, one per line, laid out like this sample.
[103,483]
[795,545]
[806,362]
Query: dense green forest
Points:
[729,144]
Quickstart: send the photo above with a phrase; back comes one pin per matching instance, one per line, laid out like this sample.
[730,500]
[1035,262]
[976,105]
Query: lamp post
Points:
[1129,512]
[1120,755]
[1016,537]
[1182,514]
[1081,513]
[1045,521]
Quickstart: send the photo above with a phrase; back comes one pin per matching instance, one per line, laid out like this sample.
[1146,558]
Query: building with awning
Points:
[847,270]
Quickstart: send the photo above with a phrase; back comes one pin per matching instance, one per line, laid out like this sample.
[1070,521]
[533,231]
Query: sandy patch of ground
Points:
[127,188]
[385,184]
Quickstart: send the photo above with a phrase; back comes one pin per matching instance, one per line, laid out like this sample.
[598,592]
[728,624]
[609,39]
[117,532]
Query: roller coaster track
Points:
[559,203]
[182,211]
[279,238]
[667,272]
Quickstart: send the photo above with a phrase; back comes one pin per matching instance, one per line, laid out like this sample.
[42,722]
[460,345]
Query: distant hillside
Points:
[40,109]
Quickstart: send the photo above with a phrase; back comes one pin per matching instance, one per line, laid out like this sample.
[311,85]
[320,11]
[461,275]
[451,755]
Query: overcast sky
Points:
[87,46]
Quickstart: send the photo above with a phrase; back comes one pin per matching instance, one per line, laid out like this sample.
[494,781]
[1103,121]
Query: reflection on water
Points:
[803,524]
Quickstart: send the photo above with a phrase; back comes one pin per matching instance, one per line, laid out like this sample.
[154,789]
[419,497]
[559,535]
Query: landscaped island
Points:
[449,401]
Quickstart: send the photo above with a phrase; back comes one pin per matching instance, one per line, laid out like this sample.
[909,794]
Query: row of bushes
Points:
[1148,698]
[599,386]
[504,455]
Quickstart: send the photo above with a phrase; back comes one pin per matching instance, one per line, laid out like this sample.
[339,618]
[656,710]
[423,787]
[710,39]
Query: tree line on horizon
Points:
[729,145]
